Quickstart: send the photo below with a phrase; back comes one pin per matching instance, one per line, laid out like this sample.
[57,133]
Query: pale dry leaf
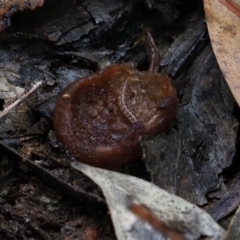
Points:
[223,21]
[138,208]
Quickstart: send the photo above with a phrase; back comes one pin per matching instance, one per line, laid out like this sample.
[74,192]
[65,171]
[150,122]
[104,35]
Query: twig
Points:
[51,180]
[11,106]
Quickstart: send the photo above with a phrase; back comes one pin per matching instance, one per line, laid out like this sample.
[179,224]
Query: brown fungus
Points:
[100,118]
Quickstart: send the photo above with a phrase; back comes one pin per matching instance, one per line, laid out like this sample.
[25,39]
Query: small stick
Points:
[152,50]
[25,95]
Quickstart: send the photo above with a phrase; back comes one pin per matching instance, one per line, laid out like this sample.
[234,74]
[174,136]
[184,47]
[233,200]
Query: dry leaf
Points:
[223,20]
[141,210]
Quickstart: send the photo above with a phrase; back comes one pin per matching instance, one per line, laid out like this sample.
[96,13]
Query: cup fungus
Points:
[99,119]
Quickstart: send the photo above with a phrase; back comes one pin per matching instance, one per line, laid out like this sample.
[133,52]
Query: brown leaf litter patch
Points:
[9,7]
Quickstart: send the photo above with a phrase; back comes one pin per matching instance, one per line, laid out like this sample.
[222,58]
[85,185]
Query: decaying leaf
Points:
[101,10]
[141,210]
[228,203]
[223,20]
[188,161]
[7,8]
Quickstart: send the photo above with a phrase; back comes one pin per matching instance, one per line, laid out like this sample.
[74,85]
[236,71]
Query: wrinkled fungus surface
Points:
[100,118]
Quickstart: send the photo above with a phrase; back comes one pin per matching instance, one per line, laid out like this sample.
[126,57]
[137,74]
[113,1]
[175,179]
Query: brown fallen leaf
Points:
[7,8]
[223,20]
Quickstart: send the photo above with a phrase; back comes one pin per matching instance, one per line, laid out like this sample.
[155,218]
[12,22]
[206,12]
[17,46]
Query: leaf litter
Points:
[225,103]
